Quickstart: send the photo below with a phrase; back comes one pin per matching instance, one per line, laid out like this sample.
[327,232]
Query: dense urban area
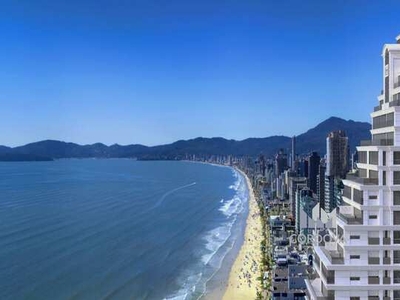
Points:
[331,222]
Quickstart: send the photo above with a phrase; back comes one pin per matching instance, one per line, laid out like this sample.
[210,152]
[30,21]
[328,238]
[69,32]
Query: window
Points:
[354,298]
[354,278]
[373,217]
[358,196]
[384,158]
[373,197]
[354,237]
[396,198]
[384,139]
[354,256]
[396,177]
[396,218]
[362,157]
[396,157]
[373,174]
[396,237]
[383,121]
[347,192]
[383,177]
[396,275]
[362,173]
[373,157]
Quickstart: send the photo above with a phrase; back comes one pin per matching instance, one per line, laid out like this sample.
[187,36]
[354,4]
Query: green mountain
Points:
[312,140]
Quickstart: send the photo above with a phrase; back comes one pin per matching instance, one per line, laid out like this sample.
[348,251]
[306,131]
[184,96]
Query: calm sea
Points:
[117,228]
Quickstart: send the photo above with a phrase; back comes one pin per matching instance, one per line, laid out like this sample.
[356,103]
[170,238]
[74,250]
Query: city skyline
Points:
[152,74]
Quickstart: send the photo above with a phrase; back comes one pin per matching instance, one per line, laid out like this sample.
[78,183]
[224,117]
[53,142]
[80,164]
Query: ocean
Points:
[118,229]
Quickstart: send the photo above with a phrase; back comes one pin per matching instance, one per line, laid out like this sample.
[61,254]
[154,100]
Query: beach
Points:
[243,282]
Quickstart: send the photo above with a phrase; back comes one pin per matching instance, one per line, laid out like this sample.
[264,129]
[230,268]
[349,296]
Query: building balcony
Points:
[394,102]
[350,220]
[361,180]
[378,108]
[383,142]
[373,260]
[373,280]
[396,85]
[335,257]
[314,290]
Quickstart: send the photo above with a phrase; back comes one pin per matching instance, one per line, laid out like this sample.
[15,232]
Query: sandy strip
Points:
[243,283]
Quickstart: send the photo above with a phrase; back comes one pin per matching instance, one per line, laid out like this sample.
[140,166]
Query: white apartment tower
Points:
[365,262]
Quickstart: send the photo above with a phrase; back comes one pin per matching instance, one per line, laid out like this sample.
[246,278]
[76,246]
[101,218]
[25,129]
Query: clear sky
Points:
[153,72]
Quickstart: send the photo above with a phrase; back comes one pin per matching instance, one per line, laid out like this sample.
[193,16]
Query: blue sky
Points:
[153,72]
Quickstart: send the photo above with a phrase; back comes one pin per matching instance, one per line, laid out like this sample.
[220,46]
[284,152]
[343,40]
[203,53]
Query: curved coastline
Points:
[243,283]
[244,258]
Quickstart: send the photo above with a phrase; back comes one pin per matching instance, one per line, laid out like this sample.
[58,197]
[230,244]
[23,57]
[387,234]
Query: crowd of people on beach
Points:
[250,269]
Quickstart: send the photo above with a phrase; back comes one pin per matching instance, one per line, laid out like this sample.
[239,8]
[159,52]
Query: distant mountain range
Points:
[312,140]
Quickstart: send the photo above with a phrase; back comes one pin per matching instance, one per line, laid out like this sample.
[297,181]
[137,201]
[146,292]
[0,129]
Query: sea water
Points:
[118,228]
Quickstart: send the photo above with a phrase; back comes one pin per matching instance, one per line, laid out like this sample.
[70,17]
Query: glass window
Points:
[396,237]
[373,157]
[396,177]
[396,157]
[347,192]
[373,174]
[396,198]
[362,157]
[358,196]
[396,218]
[362,173]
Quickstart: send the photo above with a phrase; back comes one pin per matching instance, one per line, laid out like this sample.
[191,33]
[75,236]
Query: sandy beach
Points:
[243,283]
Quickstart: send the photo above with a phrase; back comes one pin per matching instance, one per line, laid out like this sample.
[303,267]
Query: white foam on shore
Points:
[188,287]
[215,239]
[235,205]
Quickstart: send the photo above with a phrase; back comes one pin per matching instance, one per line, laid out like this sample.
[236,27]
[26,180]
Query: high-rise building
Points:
[295,184]
[313,170]
[362,261]
[302,168]
[337,154]
[293,158]
[304,205]
[281,162]
[321,185]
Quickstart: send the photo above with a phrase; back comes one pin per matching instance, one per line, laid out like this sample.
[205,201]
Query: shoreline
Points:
[243,283]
